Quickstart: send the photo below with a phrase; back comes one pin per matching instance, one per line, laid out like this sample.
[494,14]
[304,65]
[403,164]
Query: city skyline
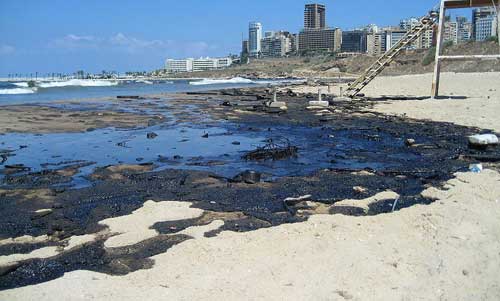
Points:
[128,36]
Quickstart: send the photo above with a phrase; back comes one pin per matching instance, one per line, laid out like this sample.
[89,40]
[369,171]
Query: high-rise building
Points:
[407,24]
[464,29]
[316,35]
[328,39]
[376,43]
[244,47]
[354,41]
[314,16]
[393,37]
[484,23]
[426,40]
[277,45]
[254,39]
[450,32]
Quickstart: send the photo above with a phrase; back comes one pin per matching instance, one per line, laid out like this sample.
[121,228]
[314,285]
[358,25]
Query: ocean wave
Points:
[234,80]
[18,91]
[21,84]
[77,83]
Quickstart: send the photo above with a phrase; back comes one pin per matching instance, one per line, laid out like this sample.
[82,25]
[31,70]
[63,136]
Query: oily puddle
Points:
[218,149]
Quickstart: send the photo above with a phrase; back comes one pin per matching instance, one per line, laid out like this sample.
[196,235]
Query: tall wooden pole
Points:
[439,44]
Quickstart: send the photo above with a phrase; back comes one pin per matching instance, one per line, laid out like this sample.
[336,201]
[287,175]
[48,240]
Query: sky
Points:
[64,36]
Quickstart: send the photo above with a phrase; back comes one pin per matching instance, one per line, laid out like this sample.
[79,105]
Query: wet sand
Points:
[217,238]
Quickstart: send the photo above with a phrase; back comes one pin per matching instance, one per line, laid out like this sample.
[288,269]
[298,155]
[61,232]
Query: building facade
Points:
[254,39]
[464,29]
[482,18]
[195,65]
[376,43]
[314,16]
[174,66]
[327,39]
[277,44]
[354,41]
[450,32]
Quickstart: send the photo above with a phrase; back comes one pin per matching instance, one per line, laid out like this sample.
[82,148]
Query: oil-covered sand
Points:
[75,211]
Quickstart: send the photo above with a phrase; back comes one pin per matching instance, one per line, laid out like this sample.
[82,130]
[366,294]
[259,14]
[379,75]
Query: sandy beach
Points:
[445,250]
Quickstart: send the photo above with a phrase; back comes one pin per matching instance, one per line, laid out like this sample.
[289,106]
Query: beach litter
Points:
[476,168]
[482,141]
[272,151]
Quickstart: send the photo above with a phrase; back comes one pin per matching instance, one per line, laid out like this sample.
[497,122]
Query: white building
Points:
[195,65]
[277,44]
[407,24]
[451,32]
[185,65]
[254,38]
[486,28]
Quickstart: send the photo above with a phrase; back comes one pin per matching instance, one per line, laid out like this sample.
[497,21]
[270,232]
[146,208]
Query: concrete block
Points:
[319,103]
[277,104]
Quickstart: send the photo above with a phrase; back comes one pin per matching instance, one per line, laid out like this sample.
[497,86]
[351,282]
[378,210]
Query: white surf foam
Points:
[77,83]
[21,84]
[234,80]
[18,91]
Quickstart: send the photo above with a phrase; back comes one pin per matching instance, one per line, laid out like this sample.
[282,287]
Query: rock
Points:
[359,189]
[410,142]
[90,129]
[483,140]
[41,213]
[249,177]
[177,157]
[204,135]
[236,143]
[152,135]
[277,104]
[226,104]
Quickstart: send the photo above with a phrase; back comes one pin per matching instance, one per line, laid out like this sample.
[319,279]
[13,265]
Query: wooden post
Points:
[439,44]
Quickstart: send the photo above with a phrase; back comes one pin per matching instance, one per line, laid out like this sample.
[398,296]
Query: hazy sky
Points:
[94,35]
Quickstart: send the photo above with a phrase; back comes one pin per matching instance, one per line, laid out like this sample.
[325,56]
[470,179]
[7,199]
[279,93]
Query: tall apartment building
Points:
[329,39]
[450,32]
[376,43]
[245,49]
[354,41]
[254,39]
[464,29]
[484,23]
[407,24]
[314,16]
[316,35]
[393,36]
[426,40]
[276,44]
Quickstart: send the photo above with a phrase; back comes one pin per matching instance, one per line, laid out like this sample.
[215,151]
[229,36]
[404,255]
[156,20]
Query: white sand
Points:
[449,250]
[480,108]
[476,110]
[134,228]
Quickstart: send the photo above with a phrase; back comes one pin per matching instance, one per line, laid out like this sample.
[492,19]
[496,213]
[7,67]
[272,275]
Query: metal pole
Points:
[498,25]
[439,42]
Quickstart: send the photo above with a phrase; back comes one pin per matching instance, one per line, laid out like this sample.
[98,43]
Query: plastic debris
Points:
[476,168]
[483,140]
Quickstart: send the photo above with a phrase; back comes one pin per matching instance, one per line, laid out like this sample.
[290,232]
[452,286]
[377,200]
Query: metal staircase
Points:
[385,60]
